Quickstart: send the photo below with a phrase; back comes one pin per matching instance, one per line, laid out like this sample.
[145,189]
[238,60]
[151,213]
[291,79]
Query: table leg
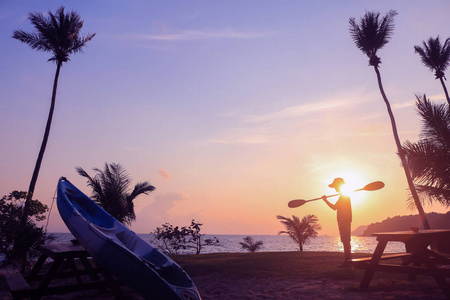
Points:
[373,264]
[87,265]
[50,274]
[37,267]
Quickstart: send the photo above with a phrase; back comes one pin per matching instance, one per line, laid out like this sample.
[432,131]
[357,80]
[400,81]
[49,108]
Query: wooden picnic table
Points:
[71,270]
[417,260]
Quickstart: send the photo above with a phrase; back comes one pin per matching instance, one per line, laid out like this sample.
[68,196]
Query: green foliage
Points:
[58,34]
[371,33]
[429,158]
[18,241]
[250,245]
[111,190]
[172,239]
[301,231]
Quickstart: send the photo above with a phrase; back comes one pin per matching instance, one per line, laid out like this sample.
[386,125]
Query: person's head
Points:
[337,184]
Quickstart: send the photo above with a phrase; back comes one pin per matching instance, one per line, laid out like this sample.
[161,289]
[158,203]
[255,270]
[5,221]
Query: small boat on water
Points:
[120,251]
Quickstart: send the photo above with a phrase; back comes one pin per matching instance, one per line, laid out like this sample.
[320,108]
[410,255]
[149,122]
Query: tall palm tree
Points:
[300,231]
[370,35]
[60,35]
[111,190]
[429,158]
[436,57]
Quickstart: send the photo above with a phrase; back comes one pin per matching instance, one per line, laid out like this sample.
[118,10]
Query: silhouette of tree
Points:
[111,190]
[301,231]
[250,245]
[436,57]
[58,34]
[370,35]
[429,158]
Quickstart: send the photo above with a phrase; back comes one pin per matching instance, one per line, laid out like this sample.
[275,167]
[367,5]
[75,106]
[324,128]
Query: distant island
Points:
[398,223]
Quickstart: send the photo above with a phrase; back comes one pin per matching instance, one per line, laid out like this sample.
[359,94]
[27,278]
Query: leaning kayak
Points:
[120,251]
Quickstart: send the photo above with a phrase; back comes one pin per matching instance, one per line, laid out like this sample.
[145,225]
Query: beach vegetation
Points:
[251,245]
[370,34]
[171,239]
[19,242]
[58,34]
[436,57]
[111,190]
[429,158]
[301,231]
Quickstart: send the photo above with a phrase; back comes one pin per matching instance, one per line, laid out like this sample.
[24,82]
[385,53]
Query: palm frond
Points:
[435,121]
[58,33]
[434,55]
[111,190]
[370,34]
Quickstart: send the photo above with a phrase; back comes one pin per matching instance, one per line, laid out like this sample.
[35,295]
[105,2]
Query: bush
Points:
[173,239]
[19,242]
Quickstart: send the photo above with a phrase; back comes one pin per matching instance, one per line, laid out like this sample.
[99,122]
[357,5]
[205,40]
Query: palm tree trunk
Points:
[401,153]
[37,167]
[445,91]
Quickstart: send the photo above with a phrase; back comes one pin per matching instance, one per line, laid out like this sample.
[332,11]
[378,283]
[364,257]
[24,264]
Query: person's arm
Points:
[331,205]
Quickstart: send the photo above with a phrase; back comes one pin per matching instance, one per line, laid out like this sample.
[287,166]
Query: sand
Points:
[282,275]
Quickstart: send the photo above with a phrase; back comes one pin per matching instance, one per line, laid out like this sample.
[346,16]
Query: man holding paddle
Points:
[344,211]
[344,218]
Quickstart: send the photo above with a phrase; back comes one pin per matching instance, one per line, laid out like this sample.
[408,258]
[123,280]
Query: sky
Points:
[229,108]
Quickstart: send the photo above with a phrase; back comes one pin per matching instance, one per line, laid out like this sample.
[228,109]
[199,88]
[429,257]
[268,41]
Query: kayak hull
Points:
[120,251]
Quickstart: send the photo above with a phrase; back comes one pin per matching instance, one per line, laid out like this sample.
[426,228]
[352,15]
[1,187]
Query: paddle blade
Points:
[296,203]
[374,186]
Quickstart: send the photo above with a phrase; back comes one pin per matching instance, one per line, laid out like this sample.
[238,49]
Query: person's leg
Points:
[345,233]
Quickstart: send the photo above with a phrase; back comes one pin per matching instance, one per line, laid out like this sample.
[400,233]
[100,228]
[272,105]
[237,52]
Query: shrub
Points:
[172,239]
[19,242]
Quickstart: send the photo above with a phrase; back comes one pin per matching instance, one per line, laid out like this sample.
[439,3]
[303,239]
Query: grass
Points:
[262,265]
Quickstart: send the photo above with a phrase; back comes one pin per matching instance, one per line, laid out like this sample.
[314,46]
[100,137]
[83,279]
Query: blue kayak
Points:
[120,251]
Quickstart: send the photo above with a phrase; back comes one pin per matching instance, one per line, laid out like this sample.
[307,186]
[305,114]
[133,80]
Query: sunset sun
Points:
[354,180]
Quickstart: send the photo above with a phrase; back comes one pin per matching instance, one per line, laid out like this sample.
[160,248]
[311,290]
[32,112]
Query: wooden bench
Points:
[18,286]
[364,262]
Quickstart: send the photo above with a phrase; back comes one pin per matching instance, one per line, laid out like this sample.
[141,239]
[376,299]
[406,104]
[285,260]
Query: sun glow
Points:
[353,181]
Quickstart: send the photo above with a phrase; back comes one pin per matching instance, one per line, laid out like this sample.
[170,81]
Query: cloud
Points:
[158,212]
[164,174]
[295,111]
[267,128]
[403,105]
[190,35]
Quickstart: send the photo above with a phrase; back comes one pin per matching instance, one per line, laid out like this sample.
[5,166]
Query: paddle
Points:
[373,186]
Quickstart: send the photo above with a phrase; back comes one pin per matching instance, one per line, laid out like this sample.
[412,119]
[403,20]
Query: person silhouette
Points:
[343,209]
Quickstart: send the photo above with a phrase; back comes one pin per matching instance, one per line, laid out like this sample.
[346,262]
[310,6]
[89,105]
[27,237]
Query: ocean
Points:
[272,243]
[277,243]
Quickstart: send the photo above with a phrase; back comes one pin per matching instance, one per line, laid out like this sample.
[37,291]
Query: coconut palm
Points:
[370,35]
[429,158]
[301,231]
[60,35]
[436,57]
[250,245]
[111,190]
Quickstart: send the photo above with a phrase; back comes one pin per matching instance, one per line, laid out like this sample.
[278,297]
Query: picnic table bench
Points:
[417,260]
[71,270]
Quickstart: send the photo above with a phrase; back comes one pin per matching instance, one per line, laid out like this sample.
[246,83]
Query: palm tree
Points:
[301,231]
[111,190]
[436,57]
[58,34]
[250,245]
[429,158]
[370,35]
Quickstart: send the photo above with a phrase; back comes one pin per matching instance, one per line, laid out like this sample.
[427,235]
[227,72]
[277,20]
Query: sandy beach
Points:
[277,275]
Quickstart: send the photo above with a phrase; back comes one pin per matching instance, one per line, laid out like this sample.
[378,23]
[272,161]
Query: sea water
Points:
[276,243]
[272,243]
